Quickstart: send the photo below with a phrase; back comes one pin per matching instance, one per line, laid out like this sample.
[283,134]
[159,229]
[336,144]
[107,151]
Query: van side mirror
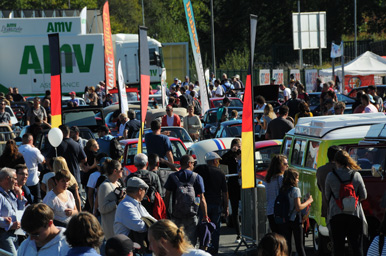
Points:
[376,171]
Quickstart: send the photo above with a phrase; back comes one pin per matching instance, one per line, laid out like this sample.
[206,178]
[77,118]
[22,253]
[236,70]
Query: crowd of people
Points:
[153,210]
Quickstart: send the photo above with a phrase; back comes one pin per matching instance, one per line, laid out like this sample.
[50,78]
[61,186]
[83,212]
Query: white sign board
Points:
[296,73]
[312,26]
[311,75]
[278,74]
[264,76]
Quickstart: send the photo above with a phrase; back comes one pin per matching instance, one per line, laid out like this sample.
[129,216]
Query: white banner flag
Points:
[83,20]
[122,90]
[336,50]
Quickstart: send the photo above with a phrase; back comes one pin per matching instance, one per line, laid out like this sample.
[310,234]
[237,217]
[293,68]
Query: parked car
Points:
[91,117]
[233,129]
[176,132]
[264,150]
[131,147]
[315,103]
[65,100]
[381,91]
[217,102]
[209,122]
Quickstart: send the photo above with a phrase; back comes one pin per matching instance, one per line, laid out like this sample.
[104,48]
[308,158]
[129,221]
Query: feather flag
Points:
[109,51]
[248,176]
[56,85]
[144,71]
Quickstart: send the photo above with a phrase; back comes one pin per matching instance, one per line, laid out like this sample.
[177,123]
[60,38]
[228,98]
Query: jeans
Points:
[345,225]
[296,228]
[214,214]
[272,224]
[190,227]
[35,191]
[8,241]
[235,214]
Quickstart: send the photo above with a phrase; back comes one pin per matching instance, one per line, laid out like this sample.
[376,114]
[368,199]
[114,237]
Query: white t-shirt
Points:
[371,109]
[32,157]
[92,180]
[58,206]
[196,252]
[287,93]
[170,120]
[220,91]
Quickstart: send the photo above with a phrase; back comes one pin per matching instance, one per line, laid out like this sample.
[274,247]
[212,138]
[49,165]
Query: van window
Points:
[287,146]
[312,154]
[297,152]
[366,157]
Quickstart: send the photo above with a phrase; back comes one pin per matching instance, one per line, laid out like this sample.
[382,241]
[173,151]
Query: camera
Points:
[120,192]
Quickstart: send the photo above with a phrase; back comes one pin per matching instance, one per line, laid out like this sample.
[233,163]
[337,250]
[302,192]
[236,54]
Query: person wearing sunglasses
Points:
[44,238]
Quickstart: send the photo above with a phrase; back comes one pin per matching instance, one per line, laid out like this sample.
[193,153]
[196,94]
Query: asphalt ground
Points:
[228,245]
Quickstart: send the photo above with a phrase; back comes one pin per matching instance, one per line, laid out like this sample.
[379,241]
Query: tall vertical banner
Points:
[83,21]
[197,55]
[123,104]
[248,176]
[56,85]
[109,51]
[144,71]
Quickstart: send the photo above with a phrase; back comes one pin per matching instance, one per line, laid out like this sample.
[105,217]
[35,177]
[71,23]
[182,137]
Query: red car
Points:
[217,102]
[131,146]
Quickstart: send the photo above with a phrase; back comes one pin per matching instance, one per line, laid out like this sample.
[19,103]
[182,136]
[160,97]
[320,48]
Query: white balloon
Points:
[55,137]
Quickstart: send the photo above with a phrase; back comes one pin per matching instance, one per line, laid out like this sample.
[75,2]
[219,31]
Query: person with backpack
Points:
[274,180]
[188,191]
[185,99]
[287,211]
[150,178]
[345,190]
[109,144]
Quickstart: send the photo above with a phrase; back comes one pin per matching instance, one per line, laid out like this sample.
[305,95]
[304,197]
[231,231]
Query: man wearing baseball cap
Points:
[73,99]
[120,245]
[216,194]
[130,215]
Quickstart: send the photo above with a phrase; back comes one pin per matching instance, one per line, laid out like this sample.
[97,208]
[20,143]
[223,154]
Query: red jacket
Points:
[176,120]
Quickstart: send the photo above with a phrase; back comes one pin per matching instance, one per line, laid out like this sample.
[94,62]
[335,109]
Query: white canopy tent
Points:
[366,64]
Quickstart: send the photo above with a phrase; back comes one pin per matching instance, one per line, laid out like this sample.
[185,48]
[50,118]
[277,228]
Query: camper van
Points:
[306,148]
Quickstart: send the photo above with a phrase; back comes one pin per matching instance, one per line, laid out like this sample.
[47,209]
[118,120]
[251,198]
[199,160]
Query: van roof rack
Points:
[321,125]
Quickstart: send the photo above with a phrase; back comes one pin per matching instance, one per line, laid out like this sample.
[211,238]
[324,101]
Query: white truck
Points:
[25,63]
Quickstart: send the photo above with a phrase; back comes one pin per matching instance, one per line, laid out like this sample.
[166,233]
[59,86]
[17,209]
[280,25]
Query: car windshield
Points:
[234,103]
[82,118]
[366,157]
[178,151]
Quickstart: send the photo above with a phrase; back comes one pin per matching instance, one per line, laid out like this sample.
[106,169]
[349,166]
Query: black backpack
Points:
[148,200]
[281,210]
[197,107]
[116,150]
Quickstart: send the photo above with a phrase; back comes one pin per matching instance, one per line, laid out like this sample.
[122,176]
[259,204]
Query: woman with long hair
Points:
[11,155]
[59,163]
[272,244]
[274,180]
[346,220]
[294,225]
[378,245]
[60,200]
[304,111]
[165,238]
[91,150]
[267,117]
[108,200]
